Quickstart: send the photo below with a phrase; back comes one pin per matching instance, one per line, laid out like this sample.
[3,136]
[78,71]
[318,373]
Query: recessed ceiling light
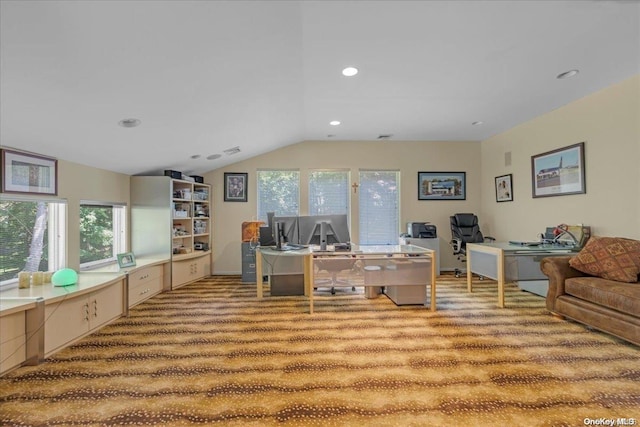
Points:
[195,156]
[567,74]
[334,122]
[214,156]
[478,123]
[350,71]
[129,123]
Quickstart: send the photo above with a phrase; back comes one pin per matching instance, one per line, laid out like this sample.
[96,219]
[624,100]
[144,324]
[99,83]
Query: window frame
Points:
[119,228]
[259,188]
[347,194]
[56,232]
[398,202]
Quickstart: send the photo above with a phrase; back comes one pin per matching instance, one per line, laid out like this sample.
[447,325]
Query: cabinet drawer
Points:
[12,326]
[144,275]
[144,290]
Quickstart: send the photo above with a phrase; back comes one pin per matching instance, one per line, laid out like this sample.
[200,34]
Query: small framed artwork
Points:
[235,187]
[442,186]
[28,173]
[559,172]
[126,259]
[504,188]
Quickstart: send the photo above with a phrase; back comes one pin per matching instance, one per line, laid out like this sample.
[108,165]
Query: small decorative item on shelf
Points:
[126,259]
[24,279]
[47,276]
[64,277]
[37,278]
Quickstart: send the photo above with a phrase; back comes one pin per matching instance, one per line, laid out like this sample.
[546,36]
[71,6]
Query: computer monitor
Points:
[266,231]
[324,229]
[285,229]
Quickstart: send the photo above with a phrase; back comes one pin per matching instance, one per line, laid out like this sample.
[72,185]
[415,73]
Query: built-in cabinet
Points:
[12,340]
[74,317]
[145,282]
[172,217]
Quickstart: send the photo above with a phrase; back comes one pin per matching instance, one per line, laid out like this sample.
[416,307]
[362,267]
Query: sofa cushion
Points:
[623,297]
[612,258]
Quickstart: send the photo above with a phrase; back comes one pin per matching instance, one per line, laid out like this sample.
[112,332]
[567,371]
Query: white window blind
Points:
[328,192]
[379,207]
[279,192]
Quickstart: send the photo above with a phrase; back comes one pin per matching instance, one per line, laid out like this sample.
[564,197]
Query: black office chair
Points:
[465,229]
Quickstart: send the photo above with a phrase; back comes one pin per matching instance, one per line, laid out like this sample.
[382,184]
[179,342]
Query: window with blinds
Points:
[33,236]
[279,192]
[379,201]
[328,192]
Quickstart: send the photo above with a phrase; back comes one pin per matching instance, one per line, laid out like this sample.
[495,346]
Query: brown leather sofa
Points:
[607,305]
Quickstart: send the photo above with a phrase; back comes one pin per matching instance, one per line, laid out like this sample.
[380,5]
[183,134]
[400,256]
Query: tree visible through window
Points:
[32,236]
[101,233]
[279,192]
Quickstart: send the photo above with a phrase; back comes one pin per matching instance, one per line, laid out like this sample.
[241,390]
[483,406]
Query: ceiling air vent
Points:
[231,151]
[385,136]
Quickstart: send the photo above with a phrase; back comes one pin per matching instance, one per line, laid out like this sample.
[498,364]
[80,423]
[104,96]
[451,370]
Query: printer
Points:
[421,230]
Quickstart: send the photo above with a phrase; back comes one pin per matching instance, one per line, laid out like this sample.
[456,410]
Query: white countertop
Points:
[140,263]
[22,299]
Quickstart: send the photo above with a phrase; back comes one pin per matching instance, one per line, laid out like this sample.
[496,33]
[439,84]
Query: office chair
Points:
[334,266]
[465,229]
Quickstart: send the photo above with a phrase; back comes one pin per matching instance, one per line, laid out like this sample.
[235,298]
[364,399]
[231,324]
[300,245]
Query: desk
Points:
[490,259]
[421,263]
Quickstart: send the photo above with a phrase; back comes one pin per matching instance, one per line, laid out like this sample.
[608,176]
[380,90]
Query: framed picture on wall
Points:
[235,187]
[28,173]
[504,188]
[442,186]
[558,172]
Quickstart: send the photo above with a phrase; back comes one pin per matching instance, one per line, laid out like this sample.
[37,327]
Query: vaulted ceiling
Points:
[208,76]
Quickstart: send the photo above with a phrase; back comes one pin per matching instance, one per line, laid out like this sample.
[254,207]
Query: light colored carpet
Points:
[211,353]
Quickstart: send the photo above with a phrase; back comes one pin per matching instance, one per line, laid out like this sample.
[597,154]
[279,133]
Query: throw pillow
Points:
[612,258]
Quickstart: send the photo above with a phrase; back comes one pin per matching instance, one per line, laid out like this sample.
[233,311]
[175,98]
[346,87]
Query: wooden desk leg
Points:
[259,273]
[469,276]
[433,281]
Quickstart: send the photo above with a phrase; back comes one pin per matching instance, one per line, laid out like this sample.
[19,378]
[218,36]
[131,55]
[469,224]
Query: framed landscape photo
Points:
[235,187]
[442,186]
[126,259]
[504,188]
[28,173]
[559,172]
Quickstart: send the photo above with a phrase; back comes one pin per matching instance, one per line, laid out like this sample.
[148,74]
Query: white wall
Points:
[608,122]
[407,157]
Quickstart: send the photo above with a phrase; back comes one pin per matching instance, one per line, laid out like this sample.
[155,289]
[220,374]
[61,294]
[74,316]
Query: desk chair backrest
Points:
[464,227]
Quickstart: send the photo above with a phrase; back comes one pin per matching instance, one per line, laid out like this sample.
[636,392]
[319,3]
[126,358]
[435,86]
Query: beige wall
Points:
[608,122]
[407,157]
[77,182]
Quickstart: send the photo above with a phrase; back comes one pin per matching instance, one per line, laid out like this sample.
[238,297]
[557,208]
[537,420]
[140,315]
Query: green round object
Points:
[64,277]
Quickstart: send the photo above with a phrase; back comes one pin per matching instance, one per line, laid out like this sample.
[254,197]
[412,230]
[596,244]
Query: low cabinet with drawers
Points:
[146,282]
